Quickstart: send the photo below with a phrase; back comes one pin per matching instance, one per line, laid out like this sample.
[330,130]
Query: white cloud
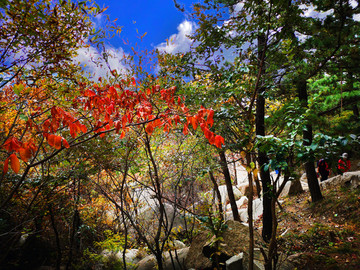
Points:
[95,64]
[179,42]
[310,11]
[353,3]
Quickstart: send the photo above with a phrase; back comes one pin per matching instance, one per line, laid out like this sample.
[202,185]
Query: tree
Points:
[50,107]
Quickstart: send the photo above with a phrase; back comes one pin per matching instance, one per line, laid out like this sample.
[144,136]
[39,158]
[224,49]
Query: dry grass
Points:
[324,235]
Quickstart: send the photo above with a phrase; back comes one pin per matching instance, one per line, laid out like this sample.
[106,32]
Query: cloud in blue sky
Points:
[179,42]
[95,64]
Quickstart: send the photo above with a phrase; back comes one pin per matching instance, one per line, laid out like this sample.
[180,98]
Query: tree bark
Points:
[262,156]
[228,184]
[250,215]
[216,188]
[312,180]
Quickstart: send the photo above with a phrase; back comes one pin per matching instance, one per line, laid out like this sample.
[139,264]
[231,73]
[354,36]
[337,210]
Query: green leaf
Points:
[252,165]
[23,117]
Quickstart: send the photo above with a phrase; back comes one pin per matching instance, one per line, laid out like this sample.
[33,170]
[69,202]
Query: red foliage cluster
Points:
[114,108]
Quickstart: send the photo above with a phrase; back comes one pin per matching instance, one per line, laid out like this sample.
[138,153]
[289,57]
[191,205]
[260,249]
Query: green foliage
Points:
[113,243]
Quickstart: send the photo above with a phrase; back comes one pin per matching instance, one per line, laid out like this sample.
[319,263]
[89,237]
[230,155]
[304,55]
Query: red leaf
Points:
[51,140]
[194,123]
[83,128]
[219,141]
[177,119]
[12,144]
[57,142]
[15,164]
[186,130]
[89,93]
[210,120]
[149,128]
[65,143]
[25,154]
[117,126]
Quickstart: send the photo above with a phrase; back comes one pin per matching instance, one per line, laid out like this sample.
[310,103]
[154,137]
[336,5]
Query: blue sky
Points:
[159,18]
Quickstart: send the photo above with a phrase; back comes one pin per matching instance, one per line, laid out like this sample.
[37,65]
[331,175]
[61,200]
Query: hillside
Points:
[324,235]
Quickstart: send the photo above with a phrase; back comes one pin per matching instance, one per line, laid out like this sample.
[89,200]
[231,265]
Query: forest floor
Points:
[322,235]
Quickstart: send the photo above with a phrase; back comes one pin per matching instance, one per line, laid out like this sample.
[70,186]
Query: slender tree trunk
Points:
[228,184]
[313,183]
[250,215]
[57,239]
[235,171]
[158,190]
[351,89]
[218,195]
[262,156]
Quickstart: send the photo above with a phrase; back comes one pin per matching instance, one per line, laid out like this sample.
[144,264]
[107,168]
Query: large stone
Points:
[132,256]
[351,178]
[148,263]
[244,189]
[292,188]
[257,211]
[235,239]
[174,259]
[149,216]
[235,262]
[224,194]
[241,203]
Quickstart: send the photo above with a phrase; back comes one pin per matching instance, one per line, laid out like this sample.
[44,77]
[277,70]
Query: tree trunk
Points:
[216,188]
[262,157]
[313,183]
[228,183]
[250,215]
[57,239]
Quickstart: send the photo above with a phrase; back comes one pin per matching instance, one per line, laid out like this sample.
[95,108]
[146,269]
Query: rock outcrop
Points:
[348,178]
[235,239]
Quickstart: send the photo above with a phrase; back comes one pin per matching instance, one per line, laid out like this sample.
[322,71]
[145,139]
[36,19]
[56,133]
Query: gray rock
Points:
[235,239]
[292,188]
[235,262]
[177,259]
[257,211]
[178,244]
[352,178]
[148,263]
[174,259]
[131,256]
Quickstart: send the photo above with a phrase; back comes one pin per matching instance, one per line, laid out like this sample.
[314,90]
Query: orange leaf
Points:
[25,154]
[219,141]
[194,123]
[65,143]
[83,128]
[15,164]
[57,142]
[186,130]
[210,120]
[149,128]
[177,119]
[12,144]
[122,135]
[51,140]
[6,165]
[89,93]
